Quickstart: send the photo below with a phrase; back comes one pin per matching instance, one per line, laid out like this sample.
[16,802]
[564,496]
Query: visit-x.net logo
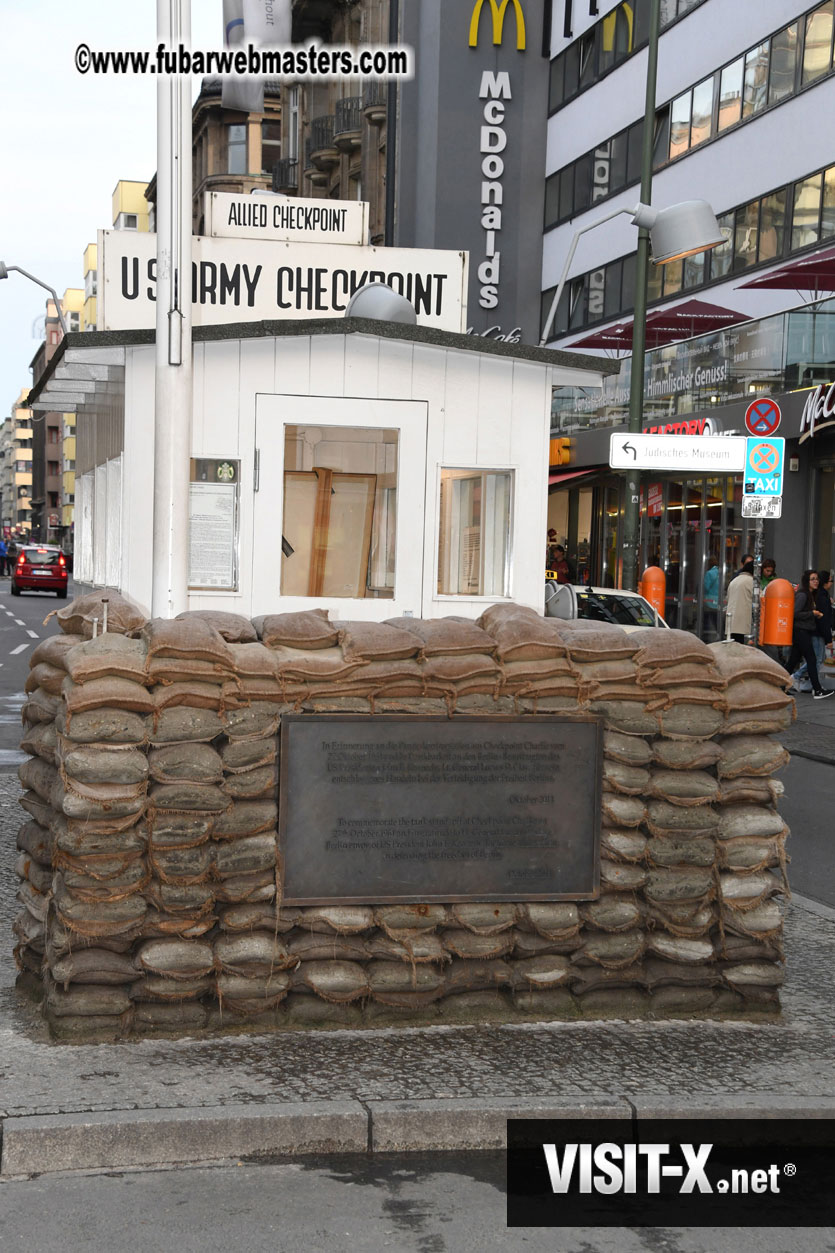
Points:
[647,1172]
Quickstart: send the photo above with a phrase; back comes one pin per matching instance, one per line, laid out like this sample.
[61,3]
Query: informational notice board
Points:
[213,526]
[400,808]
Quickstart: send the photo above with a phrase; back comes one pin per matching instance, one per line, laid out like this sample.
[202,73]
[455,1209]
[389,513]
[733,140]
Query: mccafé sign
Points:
[818,412]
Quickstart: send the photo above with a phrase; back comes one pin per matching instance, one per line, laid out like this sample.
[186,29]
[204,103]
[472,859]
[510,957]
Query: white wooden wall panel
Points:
[394,366]
[327,365]
[495,407]
[217,401]
[362,366]
[83,557]
[460,415]
[138,487]
[113,572]
[292,367]
[100,526]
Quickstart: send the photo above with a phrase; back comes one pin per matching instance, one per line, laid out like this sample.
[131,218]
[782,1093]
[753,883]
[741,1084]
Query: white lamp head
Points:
[679,230]
[380,303]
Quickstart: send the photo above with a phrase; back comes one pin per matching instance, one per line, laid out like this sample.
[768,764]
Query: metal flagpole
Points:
[173,385]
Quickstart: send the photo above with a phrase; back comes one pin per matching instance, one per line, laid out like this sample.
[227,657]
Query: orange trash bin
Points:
[777,613]
[654,588]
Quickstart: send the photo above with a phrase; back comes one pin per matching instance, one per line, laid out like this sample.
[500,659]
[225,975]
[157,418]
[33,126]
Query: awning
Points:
[667,326]
[564,475]
[810,273]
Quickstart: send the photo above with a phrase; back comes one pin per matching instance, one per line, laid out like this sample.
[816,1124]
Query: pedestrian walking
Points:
[740,601]
[711,601]
[806,619]
[768,573]
[4,558]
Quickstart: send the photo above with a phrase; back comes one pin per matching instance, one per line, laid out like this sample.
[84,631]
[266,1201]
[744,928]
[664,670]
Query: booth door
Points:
[339,506]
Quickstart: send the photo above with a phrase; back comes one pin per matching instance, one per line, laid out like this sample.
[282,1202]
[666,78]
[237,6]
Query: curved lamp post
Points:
[6,270]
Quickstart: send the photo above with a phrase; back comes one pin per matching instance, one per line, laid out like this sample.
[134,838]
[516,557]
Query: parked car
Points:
[600,604]
[39,568]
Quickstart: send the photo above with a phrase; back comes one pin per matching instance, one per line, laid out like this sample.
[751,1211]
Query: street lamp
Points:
[6,270]
[675,232]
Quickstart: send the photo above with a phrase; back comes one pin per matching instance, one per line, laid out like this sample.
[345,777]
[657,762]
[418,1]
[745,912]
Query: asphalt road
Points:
[21,626]
[420,1203]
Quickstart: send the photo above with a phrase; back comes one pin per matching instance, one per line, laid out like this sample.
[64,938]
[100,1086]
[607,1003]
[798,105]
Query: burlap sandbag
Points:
[193,695]
[759,722]
[176,959]
[313,946]
[686,754]
[37,841]
[308,629]
[234,628]
[76,618]
[172,726]
[750,755]
[628,780]
[681,850]
[374,641]
[245,818]
[98,764]
[683,787]
[54,649]
[105,726]
[245,754]
[738,661]
[612,912]
[108,656]
[589,641]
[189,865]
[337,919]
[629,749]
[251,784]
[749,791]
[185,762]
[92,965]
[446,637]
[397,920]
[40,739]
[333,980]
[50,678]
[658,649]
[621,844]
[520,634]
[192,639]
[109,693]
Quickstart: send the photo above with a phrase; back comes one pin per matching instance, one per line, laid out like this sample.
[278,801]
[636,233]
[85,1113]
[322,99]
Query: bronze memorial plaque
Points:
[393,808]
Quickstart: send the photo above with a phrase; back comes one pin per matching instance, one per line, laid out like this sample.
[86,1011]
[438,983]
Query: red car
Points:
[40,568]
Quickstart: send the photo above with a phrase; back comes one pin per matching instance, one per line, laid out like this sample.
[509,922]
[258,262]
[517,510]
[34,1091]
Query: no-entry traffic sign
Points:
[762,417]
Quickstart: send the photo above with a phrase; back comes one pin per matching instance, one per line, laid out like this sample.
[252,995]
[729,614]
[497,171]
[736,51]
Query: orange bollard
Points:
[653,588]
[777,613]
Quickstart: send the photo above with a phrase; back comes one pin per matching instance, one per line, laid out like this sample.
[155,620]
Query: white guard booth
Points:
[371,468]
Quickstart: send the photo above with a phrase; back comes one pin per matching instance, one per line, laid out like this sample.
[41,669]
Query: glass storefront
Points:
[689,527]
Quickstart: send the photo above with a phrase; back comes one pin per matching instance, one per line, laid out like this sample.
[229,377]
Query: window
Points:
[680,125]
[270,145]
[293,125]
[783,62]
[755,80]
[702,114]
[730,94]
[817,46]
[236,149]
[806,212]
[772,226]
[340,512]
[828,215]
[53,468]
[746,232]
[474,539]
[131,221]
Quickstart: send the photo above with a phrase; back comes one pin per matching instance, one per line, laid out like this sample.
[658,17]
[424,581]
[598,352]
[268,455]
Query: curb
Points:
[155,1138]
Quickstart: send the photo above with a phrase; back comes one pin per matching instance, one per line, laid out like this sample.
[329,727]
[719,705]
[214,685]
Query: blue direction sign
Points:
[764,458]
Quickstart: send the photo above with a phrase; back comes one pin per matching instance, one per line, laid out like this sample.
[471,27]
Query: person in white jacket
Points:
[740,601]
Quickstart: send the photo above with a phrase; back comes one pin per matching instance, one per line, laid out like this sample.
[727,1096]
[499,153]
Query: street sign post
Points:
[706,454]
[762,417]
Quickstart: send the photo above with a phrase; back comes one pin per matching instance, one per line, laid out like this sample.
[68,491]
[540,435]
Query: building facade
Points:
[738,123]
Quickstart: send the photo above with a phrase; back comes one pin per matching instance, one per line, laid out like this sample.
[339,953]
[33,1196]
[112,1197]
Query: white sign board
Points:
[762,506]
[706,454]
[211,548]
[292,219]
[238,280]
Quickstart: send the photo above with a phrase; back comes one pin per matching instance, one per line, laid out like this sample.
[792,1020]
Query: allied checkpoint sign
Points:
[254,280]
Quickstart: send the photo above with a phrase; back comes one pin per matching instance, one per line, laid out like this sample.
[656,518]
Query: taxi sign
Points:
[764,459]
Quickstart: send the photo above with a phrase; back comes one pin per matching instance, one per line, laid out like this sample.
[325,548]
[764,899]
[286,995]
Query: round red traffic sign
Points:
[762,417]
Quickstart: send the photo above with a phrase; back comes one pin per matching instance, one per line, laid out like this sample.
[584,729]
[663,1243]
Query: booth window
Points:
[236,148]
[474,537]
[340,512]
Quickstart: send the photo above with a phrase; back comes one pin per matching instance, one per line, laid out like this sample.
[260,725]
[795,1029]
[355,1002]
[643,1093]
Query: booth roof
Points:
[78,347]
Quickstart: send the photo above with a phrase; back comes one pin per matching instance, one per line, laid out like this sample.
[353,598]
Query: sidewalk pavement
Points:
[813,734]
[161,1102]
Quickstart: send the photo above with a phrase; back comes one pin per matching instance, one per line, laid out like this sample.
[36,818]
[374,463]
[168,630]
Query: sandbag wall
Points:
[147,862]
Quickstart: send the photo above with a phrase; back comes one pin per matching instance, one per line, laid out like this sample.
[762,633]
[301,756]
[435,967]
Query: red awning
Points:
[666,326]
[564,475]
[810,273]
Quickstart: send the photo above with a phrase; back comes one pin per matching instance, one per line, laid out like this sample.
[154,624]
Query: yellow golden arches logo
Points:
[498,11]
